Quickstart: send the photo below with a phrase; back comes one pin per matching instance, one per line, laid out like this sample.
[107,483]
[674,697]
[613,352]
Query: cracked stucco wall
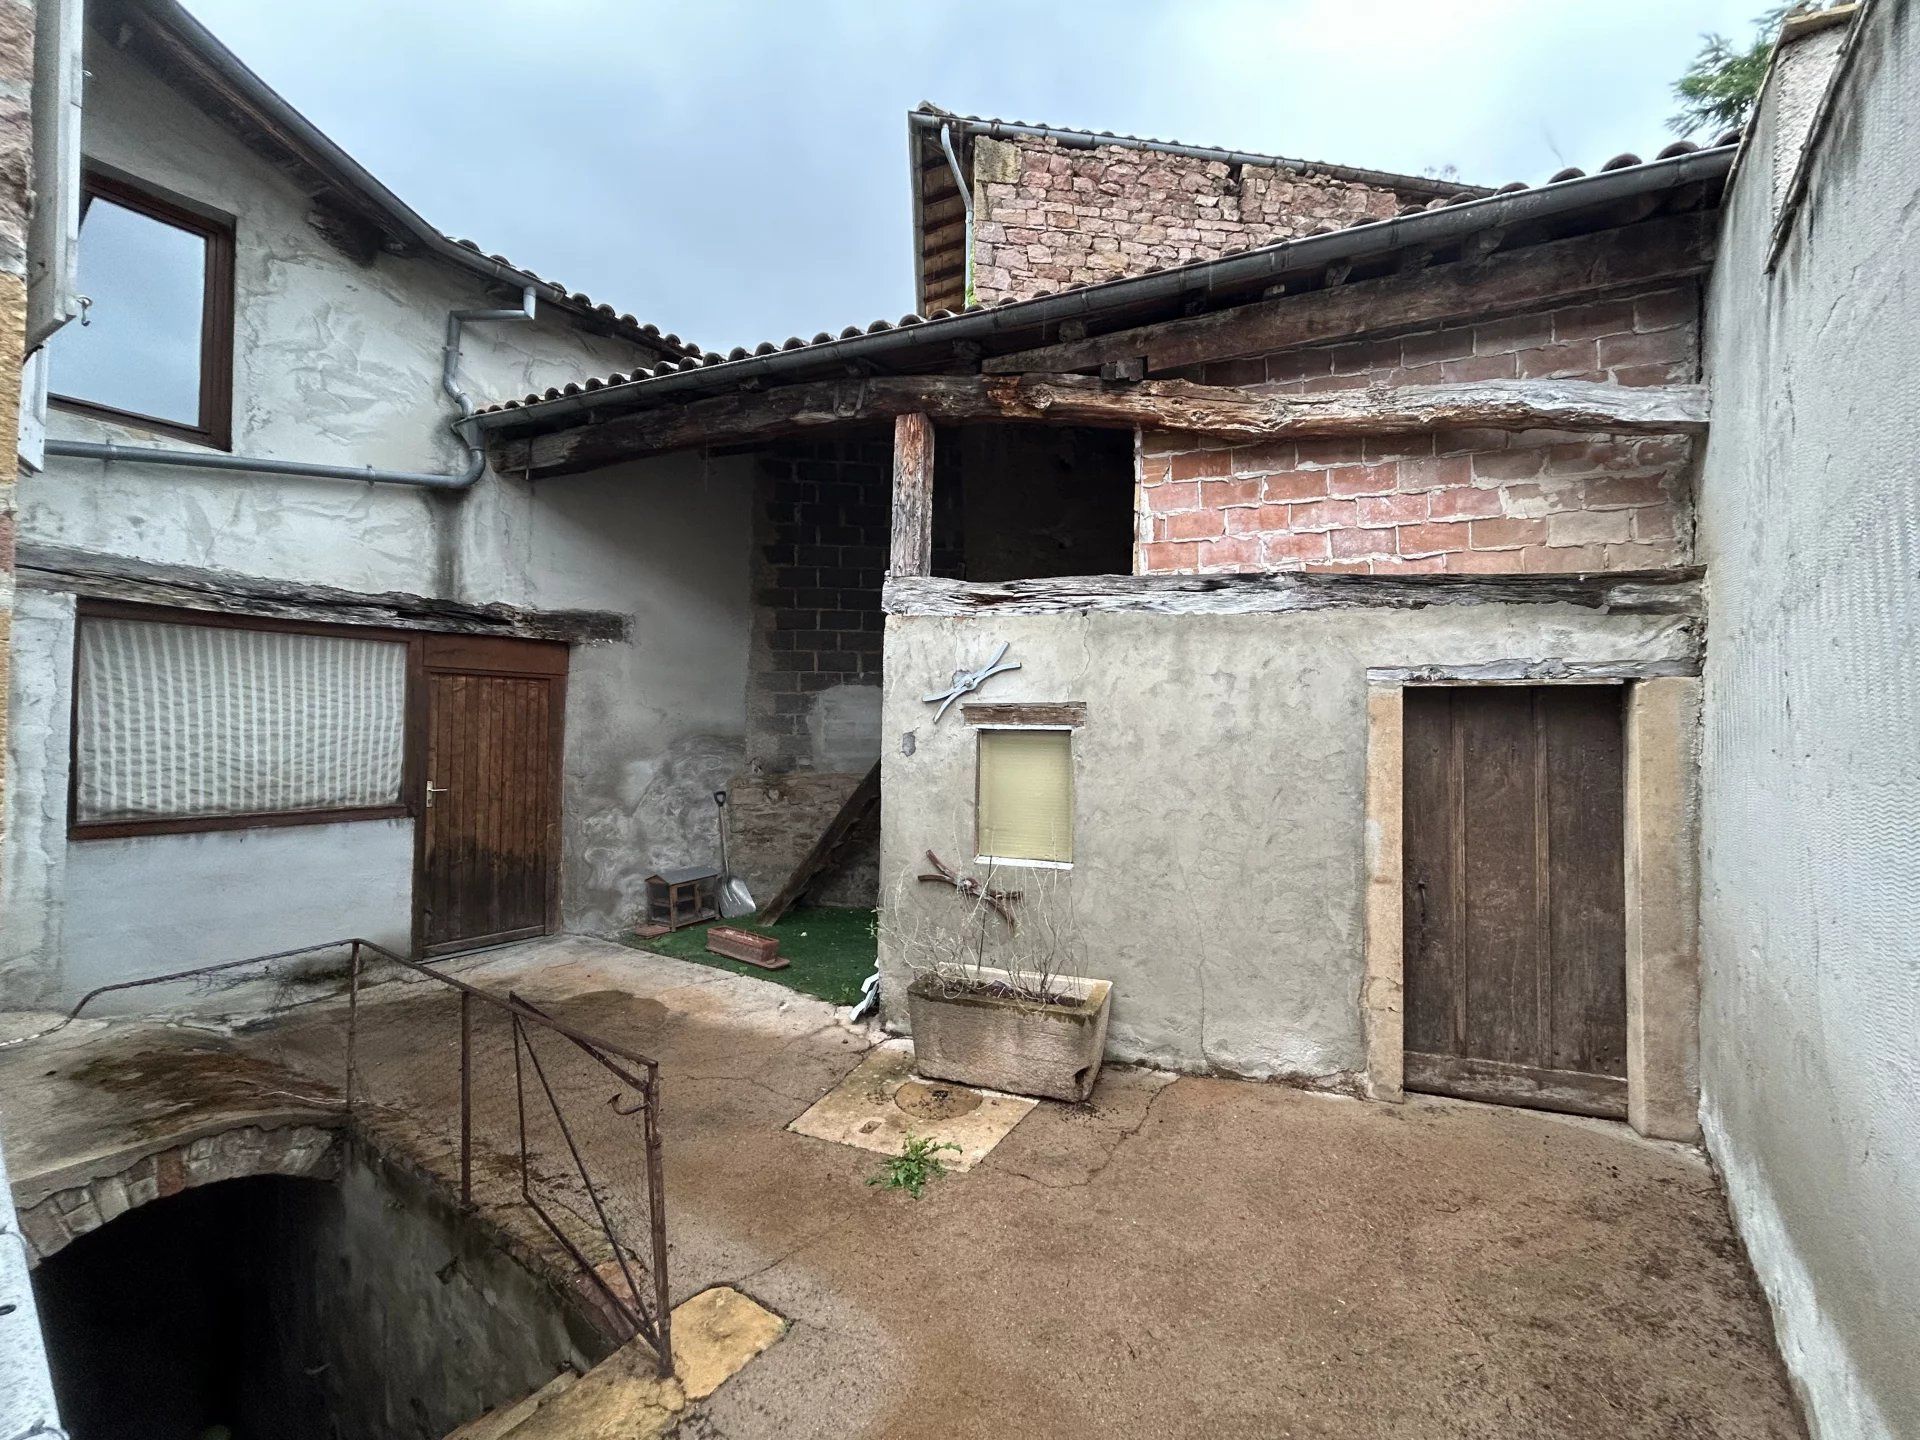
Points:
[1219,804]
[1809,522]
[340,363]
[658,723]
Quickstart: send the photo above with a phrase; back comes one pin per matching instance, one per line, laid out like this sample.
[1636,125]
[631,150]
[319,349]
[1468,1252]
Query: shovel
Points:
[735,899]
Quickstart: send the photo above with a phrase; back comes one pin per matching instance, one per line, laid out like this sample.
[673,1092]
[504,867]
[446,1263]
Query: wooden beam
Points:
[1675,592]
[912,495]
[1228,413]
[1508,283]
[1222,411]
[95,576]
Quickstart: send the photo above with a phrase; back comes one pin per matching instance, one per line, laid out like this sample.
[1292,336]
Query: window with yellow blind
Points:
[1025,798]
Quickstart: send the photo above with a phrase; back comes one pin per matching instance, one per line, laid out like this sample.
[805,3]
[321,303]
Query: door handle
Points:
[433,790]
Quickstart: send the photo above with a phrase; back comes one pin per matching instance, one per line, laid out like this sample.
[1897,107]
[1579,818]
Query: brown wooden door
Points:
[1515,896]
[490,823]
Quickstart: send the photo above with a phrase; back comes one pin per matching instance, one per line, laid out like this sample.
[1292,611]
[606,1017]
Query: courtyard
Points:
[1180,1256]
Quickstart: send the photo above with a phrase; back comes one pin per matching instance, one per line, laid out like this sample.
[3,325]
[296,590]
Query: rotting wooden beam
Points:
[96,576]
[1229,413]
[912,495]
[1674,592]
[1225,412]
[1503,284]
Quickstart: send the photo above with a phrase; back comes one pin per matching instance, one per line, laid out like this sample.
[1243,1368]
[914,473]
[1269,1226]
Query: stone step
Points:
[497,1423]
[624,1398]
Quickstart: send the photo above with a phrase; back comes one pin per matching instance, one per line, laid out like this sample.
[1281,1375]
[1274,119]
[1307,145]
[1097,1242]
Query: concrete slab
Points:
[882,1102]
[715,1334]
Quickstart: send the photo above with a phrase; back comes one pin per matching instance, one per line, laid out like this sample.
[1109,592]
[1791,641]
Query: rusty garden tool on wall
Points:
[999,901]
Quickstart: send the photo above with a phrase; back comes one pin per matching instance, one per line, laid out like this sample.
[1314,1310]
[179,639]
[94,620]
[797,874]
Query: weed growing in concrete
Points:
[917,1163]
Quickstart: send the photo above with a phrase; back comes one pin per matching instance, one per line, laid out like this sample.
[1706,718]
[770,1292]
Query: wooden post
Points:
[912,495]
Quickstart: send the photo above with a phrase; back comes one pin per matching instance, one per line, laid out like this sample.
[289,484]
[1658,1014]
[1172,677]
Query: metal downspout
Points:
[966,204]
[463,479]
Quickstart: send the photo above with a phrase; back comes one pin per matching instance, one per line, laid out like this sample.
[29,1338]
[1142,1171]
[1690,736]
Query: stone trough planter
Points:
[1002,1042]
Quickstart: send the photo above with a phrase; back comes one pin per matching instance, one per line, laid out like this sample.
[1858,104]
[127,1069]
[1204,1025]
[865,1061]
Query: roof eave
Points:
[1423,185]
[348,176]
[1422,229]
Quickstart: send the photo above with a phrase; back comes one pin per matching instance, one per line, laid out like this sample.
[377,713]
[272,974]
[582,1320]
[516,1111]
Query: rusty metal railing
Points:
[546,1108]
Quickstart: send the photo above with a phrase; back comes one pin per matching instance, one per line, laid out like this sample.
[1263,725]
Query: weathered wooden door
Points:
[490,824]
[1515,897]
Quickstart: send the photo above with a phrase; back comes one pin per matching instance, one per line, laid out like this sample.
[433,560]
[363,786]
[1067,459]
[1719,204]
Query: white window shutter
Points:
[188,721]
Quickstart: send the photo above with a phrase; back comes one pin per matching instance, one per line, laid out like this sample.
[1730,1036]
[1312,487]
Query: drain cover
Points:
[934,1102]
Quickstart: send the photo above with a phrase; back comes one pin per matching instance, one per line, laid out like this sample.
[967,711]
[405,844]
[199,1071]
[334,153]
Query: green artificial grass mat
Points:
[829,951]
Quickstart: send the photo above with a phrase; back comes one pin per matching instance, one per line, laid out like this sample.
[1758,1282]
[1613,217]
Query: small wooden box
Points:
[679,898]
[746,947]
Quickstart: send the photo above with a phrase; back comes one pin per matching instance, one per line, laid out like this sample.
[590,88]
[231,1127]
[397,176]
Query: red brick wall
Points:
[1463,501]
[1047,217]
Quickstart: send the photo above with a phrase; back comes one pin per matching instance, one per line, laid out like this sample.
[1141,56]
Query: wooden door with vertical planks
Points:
[1515,895]
[490,824]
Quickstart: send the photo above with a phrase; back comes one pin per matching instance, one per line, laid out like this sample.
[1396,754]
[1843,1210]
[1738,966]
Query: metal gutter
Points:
[107,450]
[1424,228]
[1087,140]
[465,479]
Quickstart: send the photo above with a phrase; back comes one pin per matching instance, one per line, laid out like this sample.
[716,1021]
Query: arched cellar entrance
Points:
[299,1309]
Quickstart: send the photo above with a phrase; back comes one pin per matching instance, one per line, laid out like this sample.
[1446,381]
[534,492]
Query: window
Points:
[1025,799]
[154,348]
[209,726]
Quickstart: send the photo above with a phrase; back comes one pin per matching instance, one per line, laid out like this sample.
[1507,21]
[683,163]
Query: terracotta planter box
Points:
[1000,1043]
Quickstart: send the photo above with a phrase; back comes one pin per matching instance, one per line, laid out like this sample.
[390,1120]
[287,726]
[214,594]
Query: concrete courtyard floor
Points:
[1179,1257]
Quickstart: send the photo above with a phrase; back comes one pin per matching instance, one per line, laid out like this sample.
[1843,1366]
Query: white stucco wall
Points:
[657,723]
[340,363]
[1809,522]
[85,913]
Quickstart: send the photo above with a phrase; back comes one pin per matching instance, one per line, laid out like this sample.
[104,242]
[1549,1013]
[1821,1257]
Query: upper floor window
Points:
[154,349]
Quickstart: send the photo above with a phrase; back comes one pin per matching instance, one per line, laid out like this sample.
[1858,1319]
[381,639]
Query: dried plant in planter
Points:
[1027,935]
[997,1000]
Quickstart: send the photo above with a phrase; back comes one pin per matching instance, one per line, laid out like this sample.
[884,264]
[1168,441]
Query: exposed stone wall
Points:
[16,179]
[1458,501]
[57,1220]
[1046,216]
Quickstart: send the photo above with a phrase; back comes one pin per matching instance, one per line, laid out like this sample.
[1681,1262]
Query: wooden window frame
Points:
[214,427]
[1014,862]
[411,758]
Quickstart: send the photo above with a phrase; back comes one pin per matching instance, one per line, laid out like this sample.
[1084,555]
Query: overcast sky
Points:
[735,170]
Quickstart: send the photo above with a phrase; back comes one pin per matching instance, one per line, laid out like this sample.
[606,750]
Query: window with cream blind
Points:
[180,722]
[1025,797]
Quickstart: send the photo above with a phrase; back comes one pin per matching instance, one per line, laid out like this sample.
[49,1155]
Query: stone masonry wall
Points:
[1458,501]
[1046,216]
[16,189]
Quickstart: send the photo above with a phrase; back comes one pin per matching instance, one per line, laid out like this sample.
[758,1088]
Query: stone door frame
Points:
[1662,900]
